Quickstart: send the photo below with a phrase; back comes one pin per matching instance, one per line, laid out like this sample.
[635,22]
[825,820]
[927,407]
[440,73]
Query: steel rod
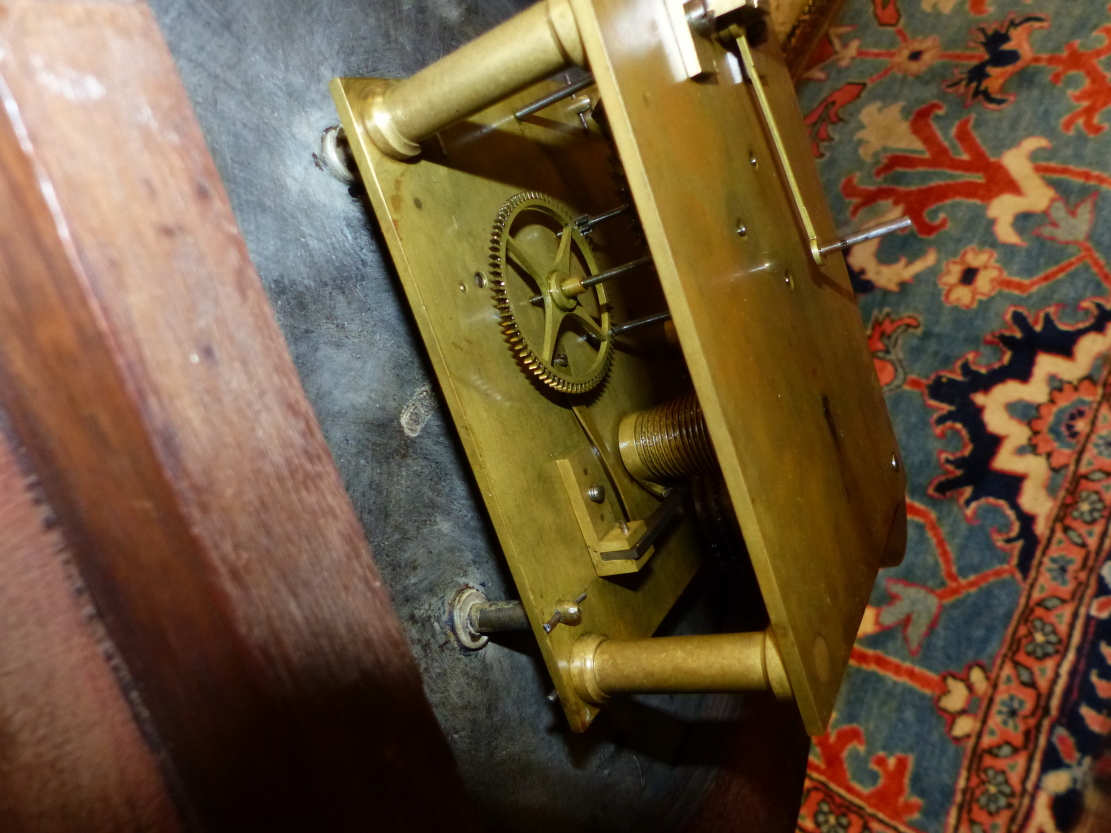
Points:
[581,285]
[618,329]
[616,272]
[557,96]
[587,224]
[868,233]
[498,617]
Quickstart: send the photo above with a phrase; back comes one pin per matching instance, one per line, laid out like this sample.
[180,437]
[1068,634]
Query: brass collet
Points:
[525,49]
[602,667]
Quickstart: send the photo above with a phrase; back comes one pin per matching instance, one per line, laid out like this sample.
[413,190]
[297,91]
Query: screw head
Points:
[597,493]
[560,360]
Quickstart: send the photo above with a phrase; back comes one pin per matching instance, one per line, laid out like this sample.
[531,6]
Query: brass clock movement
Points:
[614,242]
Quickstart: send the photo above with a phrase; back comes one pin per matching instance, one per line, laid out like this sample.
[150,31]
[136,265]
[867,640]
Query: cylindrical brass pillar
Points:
[539,41]
[668,441]
[602,667]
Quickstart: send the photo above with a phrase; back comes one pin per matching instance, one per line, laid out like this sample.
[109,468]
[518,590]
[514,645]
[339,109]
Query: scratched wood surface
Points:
[143,371]
[71,754]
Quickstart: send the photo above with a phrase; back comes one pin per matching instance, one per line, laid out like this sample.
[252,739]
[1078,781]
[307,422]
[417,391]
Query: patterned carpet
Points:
[980,686]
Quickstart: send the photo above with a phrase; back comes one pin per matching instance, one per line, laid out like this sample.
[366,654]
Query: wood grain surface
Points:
[759,786]
[143,371]
[71,753]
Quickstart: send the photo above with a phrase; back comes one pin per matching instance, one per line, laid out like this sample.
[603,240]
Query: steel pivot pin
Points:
[866,233]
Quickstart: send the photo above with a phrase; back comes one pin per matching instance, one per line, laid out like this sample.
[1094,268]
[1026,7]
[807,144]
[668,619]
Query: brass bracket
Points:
[695,24]
[692,39]
[757,72]
[611,538]
[769,78]
[617,544]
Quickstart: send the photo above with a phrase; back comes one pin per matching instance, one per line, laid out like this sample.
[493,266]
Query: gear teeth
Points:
[516,340]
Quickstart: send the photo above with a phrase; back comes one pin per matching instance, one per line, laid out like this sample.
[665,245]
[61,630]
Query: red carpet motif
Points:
[980,686]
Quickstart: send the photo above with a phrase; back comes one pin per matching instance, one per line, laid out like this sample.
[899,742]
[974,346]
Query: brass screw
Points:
[597,493]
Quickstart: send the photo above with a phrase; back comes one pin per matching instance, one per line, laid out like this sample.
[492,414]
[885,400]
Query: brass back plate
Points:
[437,215]
[773,342]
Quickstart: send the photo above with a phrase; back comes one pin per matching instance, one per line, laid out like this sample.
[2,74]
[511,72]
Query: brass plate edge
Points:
[579,713]
[813,716]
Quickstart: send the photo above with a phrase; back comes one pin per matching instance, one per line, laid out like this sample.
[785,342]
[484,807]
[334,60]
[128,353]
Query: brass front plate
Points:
[437,215]
[773,342]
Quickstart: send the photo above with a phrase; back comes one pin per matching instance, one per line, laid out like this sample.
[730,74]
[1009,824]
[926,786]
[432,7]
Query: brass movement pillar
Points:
[601,667]
[525,49]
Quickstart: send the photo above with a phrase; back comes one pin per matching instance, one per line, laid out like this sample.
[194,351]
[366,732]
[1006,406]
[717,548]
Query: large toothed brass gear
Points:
[537,250]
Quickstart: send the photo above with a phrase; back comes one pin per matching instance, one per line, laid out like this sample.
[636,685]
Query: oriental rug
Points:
[980,685]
